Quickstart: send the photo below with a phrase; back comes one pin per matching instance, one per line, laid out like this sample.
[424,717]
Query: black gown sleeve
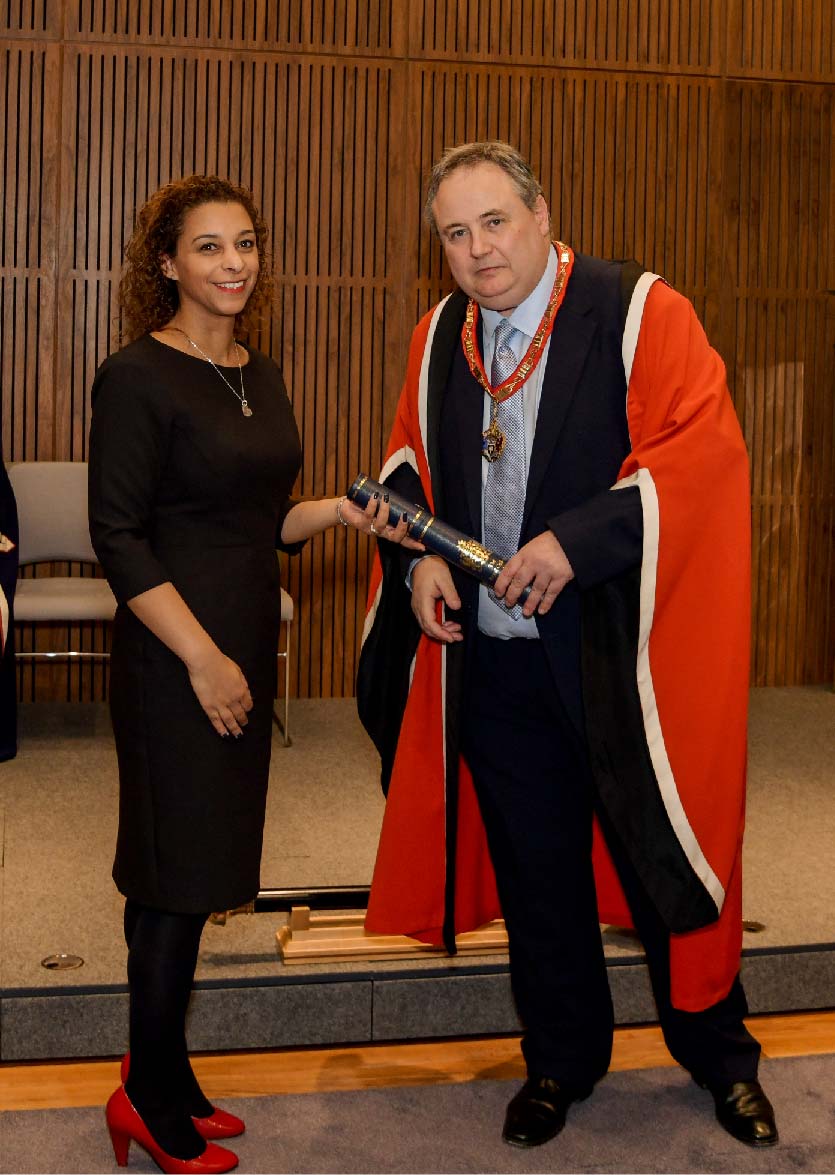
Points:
[603,537]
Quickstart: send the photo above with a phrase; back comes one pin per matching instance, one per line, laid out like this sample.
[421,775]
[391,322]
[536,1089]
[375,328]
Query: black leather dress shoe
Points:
[537,1113]
[745,1112]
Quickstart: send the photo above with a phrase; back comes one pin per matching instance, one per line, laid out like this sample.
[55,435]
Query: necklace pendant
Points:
[245,408]
[492,442]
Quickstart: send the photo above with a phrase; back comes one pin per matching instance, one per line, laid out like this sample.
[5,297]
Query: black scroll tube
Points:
[438,538]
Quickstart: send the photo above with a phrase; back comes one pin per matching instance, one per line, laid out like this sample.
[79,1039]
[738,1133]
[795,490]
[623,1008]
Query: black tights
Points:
[162,956]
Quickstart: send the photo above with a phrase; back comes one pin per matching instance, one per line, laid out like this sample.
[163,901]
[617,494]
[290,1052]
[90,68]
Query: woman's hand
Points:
[222,691]
[309,518]
[374,520]
[217,681]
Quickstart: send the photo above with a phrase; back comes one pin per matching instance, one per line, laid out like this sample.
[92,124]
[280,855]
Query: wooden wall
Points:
[695,135]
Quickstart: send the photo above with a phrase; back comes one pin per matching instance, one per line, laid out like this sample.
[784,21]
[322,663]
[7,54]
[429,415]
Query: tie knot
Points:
[504,360]
[503,332]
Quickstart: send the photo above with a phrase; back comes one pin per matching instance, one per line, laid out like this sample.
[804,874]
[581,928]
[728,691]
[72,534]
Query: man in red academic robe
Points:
[571,415]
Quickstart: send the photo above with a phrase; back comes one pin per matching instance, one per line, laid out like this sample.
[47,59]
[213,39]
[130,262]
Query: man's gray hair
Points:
[470,154]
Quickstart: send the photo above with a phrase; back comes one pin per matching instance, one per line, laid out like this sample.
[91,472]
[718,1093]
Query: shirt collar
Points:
[528,314]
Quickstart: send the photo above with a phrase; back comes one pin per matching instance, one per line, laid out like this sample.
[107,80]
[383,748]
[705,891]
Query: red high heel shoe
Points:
[126,1126]
[218,1124]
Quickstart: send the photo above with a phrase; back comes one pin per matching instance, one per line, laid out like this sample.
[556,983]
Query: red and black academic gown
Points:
[665,685]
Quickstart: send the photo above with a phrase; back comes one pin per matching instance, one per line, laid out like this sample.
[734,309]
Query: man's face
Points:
[496,247]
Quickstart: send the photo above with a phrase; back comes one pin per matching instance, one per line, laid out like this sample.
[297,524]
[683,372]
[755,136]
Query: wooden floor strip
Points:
[36,1085]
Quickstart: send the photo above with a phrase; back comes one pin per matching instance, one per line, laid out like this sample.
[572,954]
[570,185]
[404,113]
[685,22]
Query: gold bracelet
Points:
[339,509]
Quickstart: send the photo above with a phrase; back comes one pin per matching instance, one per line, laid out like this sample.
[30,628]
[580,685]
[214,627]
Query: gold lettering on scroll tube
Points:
[474,557]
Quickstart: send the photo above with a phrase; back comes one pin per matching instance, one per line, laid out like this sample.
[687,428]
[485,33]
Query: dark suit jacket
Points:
[580,443]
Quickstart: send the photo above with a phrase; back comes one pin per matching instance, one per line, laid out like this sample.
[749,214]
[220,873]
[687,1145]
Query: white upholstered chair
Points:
[284,654]
[51,501]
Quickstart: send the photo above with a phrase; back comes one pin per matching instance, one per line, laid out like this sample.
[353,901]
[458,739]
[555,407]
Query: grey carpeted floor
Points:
[59,798]
[651,1120]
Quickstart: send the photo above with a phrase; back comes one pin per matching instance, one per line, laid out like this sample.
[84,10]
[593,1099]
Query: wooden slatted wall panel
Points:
[782,39]
[780,330]
[680,35]
[336,299]
[28,150]
[24,18]
[663,129]
[780,249]
[364,27]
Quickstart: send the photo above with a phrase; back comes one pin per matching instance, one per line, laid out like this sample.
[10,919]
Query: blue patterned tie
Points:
[504,493]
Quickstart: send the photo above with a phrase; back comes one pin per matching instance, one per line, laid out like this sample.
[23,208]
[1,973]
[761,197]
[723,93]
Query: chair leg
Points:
[287,686]
[283,722]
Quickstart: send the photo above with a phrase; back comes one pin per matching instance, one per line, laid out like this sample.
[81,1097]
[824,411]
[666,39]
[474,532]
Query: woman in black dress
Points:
[193,454]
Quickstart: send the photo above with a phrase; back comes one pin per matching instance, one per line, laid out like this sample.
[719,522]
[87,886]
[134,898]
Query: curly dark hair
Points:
[148,299]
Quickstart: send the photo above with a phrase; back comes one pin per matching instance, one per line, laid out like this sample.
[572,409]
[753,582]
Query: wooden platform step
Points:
[335,938]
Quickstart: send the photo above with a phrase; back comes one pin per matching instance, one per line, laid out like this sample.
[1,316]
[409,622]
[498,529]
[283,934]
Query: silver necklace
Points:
[245,408]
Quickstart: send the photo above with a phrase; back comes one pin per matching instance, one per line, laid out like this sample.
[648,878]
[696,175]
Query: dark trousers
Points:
[531,776]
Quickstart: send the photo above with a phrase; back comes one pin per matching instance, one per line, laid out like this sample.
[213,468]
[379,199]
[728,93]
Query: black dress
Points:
[184,488]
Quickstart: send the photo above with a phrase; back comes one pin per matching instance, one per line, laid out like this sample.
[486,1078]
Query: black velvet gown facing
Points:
[184,488]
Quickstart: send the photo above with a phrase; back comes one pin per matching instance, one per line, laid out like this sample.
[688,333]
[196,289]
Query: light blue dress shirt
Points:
[526,317]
